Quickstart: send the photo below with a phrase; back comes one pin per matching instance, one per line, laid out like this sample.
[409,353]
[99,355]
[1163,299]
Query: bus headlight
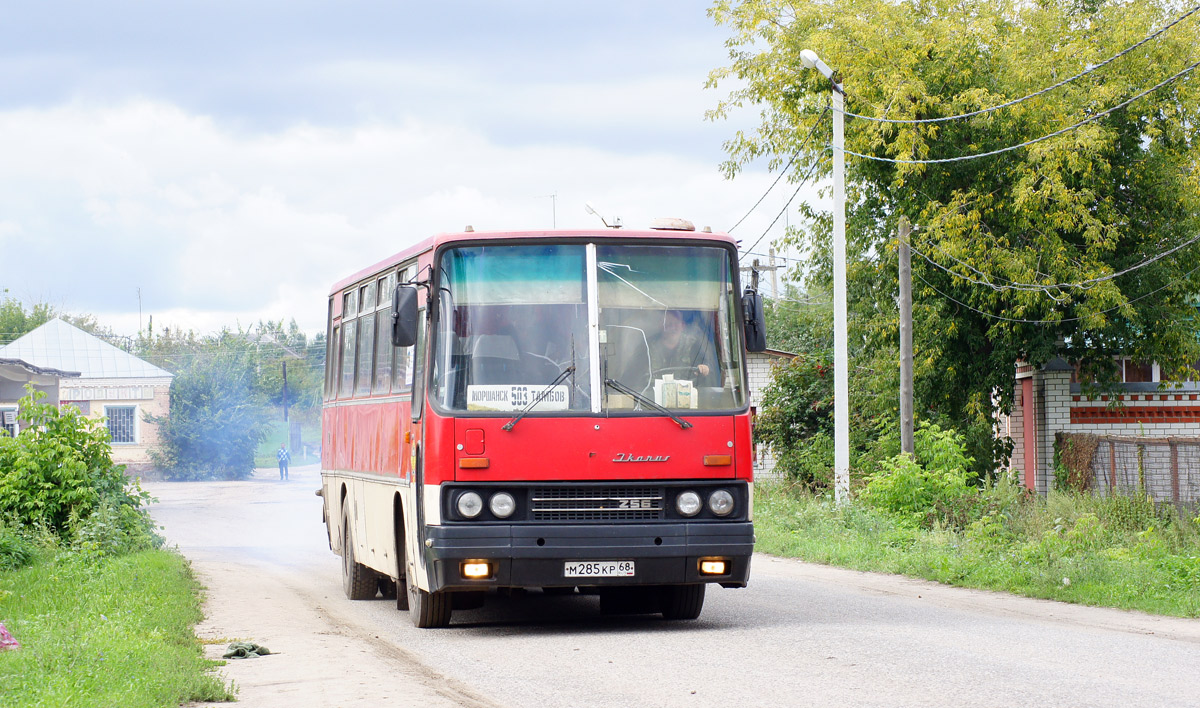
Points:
[720,502]
[470,504]
[502,505]
[688,503]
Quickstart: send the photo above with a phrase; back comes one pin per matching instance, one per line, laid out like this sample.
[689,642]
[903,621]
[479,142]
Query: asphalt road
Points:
[800,635]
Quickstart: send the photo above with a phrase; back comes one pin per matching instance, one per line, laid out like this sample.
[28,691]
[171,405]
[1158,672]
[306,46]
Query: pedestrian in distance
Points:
[283,456]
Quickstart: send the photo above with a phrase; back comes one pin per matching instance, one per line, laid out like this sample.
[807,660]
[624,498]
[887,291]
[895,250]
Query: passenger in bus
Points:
[682,350]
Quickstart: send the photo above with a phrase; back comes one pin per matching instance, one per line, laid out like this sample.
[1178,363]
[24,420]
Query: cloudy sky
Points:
[233,159]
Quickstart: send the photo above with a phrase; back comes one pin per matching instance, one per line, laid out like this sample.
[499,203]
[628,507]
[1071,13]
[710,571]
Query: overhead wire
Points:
[1039,92]
[1065,319]
[782,171]
[1082,285]
[1027,143]
[799,186]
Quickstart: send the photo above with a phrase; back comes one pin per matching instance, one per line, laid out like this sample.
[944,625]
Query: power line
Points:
[783,171]
[1082,285]
[1035,94]
[1027,143]
[1065,319]
[785,206]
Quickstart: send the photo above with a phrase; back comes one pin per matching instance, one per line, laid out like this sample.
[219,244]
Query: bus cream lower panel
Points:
[378,505]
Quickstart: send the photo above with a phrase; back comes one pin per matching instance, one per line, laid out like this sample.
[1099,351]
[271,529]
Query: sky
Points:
[214,163]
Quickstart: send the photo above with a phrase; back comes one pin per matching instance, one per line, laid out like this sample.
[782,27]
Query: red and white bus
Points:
[565,410]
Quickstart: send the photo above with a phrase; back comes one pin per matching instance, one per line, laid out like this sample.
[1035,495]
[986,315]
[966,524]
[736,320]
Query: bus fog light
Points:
[470,504]
[688,503]
[720,502]
[502,505]
[476,569]
[714,567]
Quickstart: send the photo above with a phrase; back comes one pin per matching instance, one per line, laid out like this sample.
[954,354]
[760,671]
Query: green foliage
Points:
[217,417]
[937,480]
[16,549]
[114,529]
[1061,547]
[113,632]
[16,321]
[227,388]
[1080,207]
[59,471]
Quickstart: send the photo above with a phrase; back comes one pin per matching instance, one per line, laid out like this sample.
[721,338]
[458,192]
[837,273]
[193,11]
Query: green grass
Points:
[114,632]
[276,434]
[1071,547]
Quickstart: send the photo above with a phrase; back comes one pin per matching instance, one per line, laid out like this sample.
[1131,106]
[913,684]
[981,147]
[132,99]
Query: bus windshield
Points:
[512,329]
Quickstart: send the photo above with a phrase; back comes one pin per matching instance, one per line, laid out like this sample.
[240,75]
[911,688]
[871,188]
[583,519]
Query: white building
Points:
[15,374]
[112,383]
[761,369]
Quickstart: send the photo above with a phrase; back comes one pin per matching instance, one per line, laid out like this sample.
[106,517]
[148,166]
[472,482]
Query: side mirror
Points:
[754,321]
[404,316]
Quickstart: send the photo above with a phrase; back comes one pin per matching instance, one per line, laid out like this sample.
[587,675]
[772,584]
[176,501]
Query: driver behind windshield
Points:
[682,350]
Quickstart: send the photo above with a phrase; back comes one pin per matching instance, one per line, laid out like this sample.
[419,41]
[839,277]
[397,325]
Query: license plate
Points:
[598,569]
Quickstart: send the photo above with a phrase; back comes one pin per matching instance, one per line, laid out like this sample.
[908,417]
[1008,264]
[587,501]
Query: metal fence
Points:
[1167,469]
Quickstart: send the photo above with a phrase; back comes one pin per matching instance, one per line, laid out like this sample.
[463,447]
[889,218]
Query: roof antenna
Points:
[616,224]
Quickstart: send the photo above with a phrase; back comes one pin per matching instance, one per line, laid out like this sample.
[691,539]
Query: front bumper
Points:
[535,555]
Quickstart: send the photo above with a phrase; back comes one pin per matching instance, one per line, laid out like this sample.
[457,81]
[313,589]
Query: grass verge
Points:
[111,632]
[1076,548]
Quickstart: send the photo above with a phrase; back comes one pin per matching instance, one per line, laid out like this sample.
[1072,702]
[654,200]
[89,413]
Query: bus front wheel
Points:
[682,602]
[358,581]
[426,609]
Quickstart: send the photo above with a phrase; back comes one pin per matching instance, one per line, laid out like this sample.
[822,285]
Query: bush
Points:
[57,477]
[16,549]
[935,485]
[114,529]
[58,468]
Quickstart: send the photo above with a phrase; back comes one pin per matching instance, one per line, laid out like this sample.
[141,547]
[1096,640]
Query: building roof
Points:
[37,370]
[58,345]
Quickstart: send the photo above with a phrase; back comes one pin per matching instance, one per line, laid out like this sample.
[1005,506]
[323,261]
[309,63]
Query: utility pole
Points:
[906,350]
[774,275]
[285,400]
[757,267]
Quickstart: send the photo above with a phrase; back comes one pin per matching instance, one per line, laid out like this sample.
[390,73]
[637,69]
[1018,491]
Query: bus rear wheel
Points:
[358,581]
[682,602]
[426,609]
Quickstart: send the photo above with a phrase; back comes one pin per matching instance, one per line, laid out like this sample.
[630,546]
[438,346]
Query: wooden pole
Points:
[906,346]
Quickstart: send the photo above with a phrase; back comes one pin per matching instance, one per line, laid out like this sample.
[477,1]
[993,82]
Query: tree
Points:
[1063,247]
[15,321]
[217,416]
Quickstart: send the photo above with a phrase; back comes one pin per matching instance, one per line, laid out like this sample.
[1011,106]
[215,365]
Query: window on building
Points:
[8,421]
[122,423]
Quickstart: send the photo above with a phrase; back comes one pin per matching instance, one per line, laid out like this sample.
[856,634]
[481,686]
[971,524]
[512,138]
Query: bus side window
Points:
[383,351]
[346,386]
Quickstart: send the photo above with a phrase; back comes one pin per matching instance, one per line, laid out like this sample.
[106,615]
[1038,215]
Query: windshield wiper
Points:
[565,373]
[646,401]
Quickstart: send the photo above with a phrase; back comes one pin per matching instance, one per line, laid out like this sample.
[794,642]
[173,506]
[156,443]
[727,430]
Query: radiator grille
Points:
[624,503]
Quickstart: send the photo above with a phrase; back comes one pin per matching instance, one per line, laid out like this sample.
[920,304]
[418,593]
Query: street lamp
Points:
[841,380]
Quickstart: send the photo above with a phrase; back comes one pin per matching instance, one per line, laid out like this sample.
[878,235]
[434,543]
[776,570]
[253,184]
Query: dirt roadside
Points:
[270,579]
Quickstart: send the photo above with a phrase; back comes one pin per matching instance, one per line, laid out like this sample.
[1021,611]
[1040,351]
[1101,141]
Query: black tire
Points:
[427,610]
[682,602]
[358,581]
